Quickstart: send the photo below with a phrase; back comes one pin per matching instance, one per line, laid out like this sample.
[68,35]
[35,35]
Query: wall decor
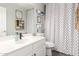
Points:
[19,14]
[19,20]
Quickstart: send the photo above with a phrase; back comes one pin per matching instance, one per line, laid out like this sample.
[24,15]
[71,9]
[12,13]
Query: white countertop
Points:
[12,45]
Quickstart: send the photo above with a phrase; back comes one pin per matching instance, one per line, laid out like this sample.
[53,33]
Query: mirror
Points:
[35,21]
[10,19]
[2,21]
[19,18]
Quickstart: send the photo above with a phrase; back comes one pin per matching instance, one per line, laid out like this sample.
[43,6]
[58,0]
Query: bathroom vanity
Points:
[28,46]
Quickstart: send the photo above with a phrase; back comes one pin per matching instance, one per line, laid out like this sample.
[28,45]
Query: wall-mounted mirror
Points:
[17,18]
[35,21]
[2,21]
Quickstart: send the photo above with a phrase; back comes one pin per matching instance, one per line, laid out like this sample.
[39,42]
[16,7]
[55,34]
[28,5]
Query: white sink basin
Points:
[6,46]
[11,45]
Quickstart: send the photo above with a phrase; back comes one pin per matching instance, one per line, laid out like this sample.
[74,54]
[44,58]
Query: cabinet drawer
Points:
[40,44]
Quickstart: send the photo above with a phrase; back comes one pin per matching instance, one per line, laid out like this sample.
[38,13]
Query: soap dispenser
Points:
[17,36]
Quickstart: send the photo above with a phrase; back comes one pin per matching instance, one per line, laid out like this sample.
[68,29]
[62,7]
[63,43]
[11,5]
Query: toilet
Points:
[49,47]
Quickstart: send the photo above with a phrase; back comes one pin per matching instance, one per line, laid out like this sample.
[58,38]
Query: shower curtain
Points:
[60,28]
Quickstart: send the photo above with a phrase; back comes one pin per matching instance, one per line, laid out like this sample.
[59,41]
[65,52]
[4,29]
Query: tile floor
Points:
[56,53]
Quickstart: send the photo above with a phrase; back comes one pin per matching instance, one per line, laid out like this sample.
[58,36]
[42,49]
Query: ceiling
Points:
[21,5]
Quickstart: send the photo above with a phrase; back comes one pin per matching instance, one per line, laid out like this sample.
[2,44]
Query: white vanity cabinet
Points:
[36,48]
[39,48]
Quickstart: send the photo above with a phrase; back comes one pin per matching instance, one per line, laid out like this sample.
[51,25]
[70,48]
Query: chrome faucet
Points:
[19,36]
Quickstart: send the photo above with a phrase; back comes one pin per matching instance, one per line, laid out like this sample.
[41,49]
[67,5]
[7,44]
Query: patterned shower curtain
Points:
[60,28]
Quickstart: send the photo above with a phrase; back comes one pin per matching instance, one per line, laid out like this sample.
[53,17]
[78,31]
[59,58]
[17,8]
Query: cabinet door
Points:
[39,53]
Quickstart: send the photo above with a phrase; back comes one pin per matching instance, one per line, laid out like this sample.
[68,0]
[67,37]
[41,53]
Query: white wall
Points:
[39,6]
